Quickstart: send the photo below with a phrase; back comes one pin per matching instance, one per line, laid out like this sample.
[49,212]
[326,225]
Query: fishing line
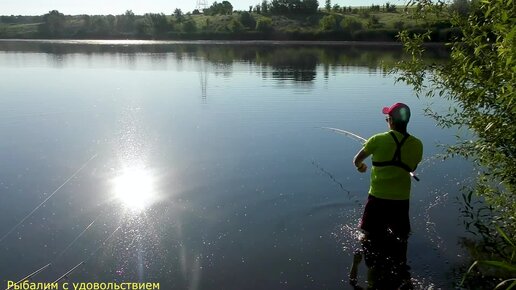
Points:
[331,177]
[46,199]
[65,275]
[102,244]
[57,257]
[30,275]
[74,240]
[68,246]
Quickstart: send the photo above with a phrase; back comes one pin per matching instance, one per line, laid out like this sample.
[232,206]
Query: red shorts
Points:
[382,216]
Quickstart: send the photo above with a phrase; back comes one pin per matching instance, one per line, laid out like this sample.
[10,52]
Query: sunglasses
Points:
[387,119]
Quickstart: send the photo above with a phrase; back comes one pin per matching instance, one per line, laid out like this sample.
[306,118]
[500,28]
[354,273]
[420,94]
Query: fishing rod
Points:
[362,140]
[65,275]
[330,176]
[75,240]
[30,275]
[49,264]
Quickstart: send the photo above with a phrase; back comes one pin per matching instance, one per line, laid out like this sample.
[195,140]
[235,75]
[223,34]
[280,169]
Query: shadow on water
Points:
[386,259]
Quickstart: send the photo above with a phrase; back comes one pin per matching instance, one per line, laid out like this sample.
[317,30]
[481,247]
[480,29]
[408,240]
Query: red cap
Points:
[399,112]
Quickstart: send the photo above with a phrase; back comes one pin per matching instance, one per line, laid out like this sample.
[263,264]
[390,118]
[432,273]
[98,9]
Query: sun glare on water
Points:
[135,188]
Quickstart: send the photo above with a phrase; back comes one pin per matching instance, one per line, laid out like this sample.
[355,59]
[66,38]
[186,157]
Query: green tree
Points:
[99,25]
[284,7]
[247,20]
[53,24]
[375,8]
[227,8]
[374,22]
[399,25]
[479,80]
[390,7]
[309,6]
[264,24]
[327,6]
[178,14]
[329,23]
[350,24]
[189,26]
[265,7]
[279,7]
[462,7]
[156,24]
[223,8]
[235,25]
[125,22]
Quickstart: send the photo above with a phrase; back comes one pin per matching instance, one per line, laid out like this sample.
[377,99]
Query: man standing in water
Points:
[385,221]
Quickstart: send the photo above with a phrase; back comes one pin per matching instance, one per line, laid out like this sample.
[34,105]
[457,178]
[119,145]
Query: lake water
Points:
[203,165]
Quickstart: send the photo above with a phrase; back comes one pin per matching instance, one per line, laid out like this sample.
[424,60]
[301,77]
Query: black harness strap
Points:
[396,159]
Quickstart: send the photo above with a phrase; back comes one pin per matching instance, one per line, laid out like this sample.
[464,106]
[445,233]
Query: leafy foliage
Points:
[480,81]
[247,20]
[189,25]
[330,23]
[350,24]
[294,6]
[264,24]
[223,8]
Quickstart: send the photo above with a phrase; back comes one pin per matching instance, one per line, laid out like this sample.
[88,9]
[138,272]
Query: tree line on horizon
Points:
[218,19]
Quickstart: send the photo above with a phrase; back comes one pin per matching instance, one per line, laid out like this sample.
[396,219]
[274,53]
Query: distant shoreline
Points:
[214,42]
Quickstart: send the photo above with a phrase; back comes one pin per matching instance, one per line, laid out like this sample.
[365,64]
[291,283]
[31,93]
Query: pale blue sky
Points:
[72,7]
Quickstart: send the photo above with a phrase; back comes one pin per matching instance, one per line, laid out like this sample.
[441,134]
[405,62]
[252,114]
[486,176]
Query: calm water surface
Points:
[202,165]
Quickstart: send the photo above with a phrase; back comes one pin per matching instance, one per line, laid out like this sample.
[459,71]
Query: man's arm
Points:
[359,160]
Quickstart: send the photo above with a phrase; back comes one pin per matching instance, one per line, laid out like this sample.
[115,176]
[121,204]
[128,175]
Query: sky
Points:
[104,7]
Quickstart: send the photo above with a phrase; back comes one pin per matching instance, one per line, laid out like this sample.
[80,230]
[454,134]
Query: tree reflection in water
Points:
[296,62]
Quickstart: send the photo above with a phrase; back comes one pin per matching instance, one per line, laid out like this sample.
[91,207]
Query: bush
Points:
[479,80]
[329,23]
[247,20]
[235,26]
[374,22]
[364,14]
[264,24]
[399,25]
[350,24]
[189,26]
[461,7]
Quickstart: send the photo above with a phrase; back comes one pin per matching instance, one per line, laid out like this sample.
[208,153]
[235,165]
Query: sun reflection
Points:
[135,188]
